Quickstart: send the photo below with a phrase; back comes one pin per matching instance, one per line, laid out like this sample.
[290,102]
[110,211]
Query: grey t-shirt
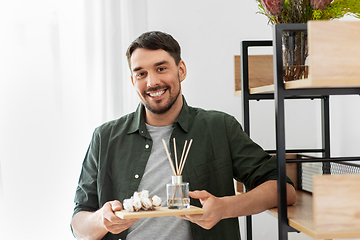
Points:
[157,174]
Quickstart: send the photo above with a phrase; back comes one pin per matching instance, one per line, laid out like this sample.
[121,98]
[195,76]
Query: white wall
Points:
[46,125]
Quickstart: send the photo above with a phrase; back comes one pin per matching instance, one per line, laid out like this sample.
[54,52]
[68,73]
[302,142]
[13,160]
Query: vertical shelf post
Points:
[245,92]
[280,132]
[325,124]
[245,100]
[279,96]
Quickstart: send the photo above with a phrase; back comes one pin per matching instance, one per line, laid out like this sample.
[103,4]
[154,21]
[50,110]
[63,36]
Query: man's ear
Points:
[182,70]
[132,80]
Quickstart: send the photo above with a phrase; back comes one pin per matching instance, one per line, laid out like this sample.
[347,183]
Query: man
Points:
[126,155]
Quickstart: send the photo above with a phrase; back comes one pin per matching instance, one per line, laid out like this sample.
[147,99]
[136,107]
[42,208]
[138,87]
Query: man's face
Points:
[156,78]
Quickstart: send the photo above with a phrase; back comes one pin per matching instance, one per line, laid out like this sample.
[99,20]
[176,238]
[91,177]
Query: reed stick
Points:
[182,155]
[176,161]
[184,160]
[168,154]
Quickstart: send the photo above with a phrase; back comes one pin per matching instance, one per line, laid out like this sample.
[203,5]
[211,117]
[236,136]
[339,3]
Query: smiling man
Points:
[126,155]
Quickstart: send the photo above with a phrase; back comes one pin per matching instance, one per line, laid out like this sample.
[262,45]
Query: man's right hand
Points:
[113,223]
[95,225]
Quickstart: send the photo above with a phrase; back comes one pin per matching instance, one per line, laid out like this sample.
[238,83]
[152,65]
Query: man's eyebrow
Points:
[161,63]
[137,69]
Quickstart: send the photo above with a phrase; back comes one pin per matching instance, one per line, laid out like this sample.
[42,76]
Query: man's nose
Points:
[152,80]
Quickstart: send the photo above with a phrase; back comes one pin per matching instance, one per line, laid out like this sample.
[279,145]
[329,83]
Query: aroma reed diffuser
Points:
[177,190]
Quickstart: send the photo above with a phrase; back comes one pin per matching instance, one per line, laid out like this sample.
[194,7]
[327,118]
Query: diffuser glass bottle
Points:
[177,193]
[177,190]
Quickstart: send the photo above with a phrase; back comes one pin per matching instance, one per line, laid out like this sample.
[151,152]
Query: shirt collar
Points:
[138,123]
[138,119]
[183,118]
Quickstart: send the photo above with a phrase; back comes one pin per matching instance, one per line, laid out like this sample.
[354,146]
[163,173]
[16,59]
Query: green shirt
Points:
[221,150]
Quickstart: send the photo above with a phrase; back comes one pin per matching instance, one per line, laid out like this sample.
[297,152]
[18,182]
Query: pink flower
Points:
[320,4]
[273,7]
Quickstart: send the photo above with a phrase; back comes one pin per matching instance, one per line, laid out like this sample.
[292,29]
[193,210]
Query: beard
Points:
[169,102]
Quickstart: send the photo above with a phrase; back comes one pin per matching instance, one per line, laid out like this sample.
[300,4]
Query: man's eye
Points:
[160,69]
[141,74]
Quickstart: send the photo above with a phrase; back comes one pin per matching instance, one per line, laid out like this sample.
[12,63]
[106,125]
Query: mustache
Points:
[154,89]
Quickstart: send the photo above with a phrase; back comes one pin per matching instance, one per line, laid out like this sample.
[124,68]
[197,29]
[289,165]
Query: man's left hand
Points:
[213,207]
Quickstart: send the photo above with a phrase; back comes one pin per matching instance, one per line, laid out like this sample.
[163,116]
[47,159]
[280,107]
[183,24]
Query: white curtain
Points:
[63,71]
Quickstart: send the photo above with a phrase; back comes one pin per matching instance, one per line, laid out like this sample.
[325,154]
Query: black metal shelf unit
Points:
[279,95]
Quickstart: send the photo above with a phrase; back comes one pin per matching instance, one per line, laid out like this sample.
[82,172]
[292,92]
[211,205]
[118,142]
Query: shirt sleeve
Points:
[86,197]
[252,165]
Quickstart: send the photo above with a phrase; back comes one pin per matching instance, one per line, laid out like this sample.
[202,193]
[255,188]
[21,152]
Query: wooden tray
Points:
[159,212]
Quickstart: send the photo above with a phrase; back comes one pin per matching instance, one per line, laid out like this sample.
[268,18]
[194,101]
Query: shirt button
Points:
[136,176]
[147,146]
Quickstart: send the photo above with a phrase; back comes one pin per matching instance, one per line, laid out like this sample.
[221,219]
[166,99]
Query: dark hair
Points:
[155,40]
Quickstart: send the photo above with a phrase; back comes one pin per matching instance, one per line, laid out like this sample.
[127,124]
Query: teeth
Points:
[157,94]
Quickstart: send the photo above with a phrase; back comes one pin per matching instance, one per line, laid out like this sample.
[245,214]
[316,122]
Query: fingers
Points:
[213,210]
[200,219]
[201,195]
[116,205]
[108,217]
[111,222]
[119,226]
[109,208]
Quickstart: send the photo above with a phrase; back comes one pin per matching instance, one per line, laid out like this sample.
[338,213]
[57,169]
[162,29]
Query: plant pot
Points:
[295,52]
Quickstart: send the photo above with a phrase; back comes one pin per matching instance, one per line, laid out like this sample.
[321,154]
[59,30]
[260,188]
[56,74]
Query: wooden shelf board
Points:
[263,89]
[256,90]
[308,83]
[300,217]
[323,83]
